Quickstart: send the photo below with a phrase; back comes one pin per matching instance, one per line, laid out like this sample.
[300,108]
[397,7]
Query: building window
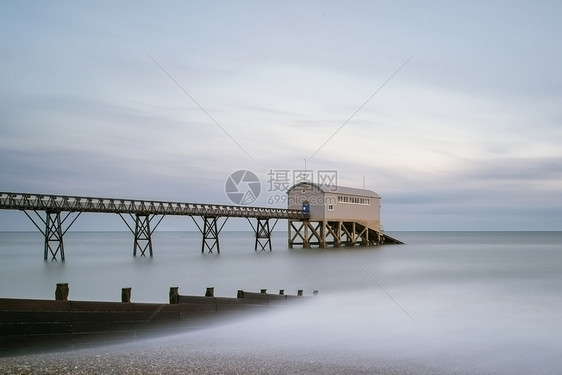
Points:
[354,200]
[330,207]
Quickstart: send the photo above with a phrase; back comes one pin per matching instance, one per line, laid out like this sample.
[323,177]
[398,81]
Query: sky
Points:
[450,110]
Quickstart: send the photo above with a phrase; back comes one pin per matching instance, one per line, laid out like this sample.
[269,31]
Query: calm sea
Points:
[484,302]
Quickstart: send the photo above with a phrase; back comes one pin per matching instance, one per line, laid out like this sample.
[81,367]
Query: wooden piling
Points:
[174,295]
[126,295]
[61,292]
[28,323]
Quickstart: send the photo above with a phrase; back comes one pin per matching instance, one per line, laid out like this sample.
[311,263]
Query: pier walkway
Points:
[61,209]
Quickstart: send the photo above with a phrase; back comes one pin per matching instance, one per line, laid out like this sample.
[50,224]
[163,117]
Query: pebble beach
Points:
[204,352]
[187,360]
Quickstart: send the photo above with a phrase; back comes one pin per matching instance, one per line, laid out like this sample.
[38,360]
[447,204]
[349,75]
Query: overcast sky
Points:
[163,100]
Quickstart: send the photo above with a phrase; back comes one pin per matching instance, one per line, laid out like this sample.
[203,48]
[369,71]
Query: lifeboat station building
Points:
[335,216]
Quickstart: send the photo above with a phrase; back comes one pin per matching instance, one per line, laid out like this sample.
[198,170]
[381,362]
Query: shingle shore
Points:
[187,359]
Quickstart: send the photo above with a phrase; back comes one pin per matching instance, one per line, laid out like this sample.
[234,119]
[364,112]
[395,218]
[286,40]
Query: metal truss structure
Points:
[142,232]
[262,231]
[210,232]
[142,213]
[53,233]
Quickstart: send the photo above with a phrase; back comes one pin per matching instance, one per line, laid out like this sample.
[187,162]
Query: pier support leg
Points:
[210,232]
[290,239]
[347,233]
[297,233]
[306,237]
[53,232]
[262,230]
[143,235]
[363,236]
[332,230]
[305,231]
[210,235]
[53,236]
[142,232]
[323,234]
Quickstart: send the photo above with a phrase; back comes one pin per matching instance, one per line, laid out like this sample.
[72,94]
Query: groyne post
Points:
[126,295]
[61,292]
[174,295]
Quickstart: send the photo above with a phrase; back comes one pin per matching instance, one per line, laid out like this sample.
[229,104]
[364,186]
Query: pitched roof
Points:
[338,189]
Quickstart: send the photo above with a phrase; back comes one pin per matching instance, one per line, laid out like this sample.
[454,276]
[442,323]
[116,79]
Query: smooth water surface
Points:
[481,302]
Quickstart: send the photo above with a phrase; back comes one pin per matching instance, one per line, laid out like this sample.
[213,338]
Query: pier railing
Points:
[54,203]
[211,217]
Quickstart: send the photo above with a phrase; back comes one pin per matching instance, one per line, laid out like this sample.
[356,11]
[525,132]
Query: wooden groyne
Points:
[28,324]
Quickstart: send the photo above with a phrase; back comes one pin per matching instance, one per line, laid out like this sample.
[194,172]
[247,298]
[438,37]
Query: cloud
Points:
[470,124]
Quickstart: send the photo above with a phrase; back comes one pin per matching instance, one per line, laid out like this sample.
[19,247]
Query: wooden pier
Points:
[336,216]
[330,233]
